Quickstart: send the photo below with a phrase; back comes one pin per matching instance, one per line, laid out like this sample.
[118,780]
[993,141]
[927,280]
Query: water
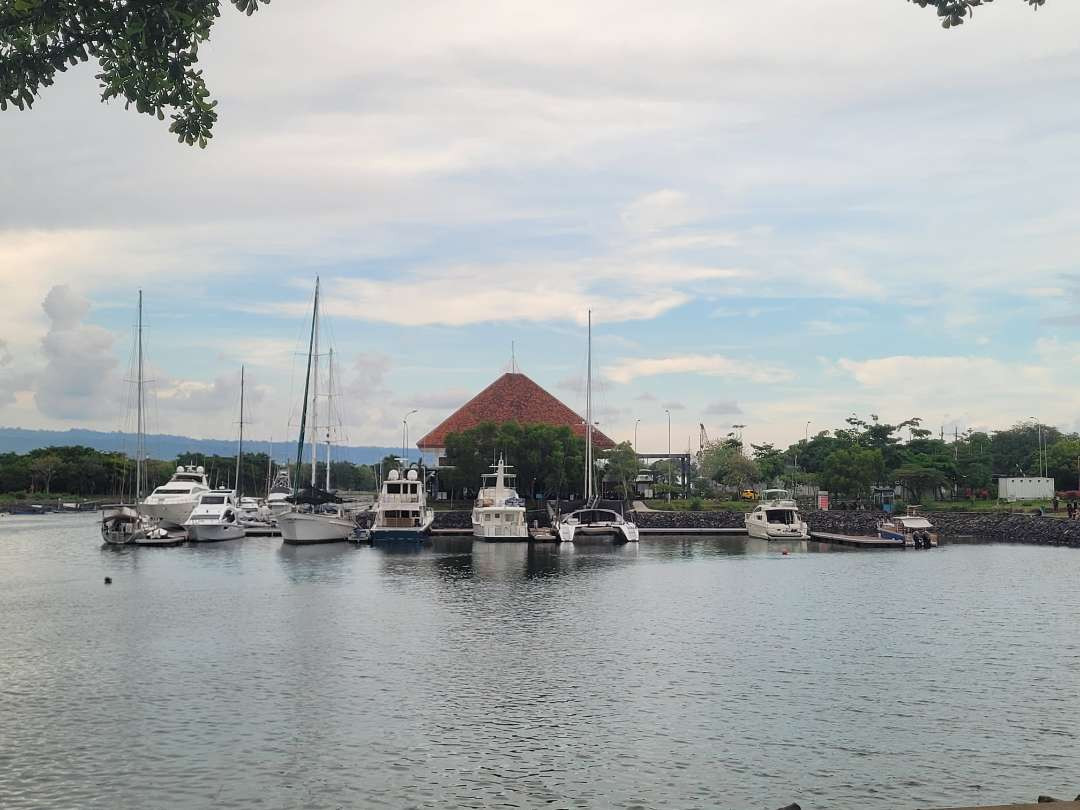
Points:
[693,672]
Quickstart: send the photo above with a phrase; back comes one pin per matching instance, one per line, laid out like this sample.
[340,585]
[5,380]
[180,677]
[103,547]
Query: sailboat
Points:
[217,514]
[317,515]
[125,524]
[591,521]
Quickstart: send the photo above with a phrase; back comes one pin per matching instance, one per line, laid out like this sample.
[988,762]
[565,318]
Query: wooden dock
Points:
[855,541]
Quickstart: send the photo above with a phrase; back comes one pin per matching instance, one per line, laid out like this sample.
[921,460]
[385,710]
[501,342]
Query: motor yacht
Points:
[499,514]
[172,503]
[402,512]
[215,517]
[776,518]
[277,500]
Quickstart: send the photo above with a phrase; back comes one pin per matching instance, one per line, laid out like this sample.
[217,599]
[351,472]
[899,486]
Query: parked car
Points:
[748,495]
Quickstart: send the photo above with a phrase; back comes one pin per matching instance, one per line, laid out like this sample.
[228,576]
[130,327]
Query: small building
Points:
[1032,488]
[513,397]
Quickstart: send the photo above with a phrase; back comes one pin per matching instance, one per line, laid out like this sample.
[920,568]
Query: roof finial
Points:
[513,359]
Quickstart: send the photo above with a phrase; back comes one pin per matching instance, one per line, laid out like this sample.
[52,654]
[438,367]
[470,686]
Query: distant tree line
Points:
[851,460]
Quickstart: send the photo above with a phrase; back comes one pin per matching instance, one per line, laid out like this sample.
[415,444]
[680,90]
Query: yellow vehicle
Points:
[748,495]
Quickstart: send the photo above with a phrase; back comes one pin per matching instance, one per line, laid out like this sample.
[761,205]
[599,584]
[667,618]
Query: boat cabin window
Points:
[214,499]
[393,489]
[180,477]
[164,491]
[780,516]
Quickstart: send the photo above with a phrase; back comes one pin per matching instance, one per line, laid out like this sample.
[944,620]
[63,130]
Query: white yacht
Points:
[592,522]
[277,500]
[173,502]
[776,517]
[215,517]
[322,524]
[499,514]
[402,512]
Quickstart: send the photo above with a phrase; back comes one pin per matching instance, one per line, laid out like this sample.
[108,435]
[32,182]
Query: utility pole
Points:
[669,478]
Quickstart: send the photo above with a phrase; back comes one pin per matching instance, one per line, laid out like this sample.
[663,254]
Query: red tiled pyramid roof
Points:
[511,398]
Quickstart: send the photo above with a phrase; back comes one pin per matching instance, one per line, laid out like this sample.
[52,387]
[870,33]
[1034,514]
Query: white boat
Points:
[215,518]
[402,512]
[592,522]
[912,529]
[171,504]
[277,500]
[606,524]
[776,518]
[499,513]
[310,520]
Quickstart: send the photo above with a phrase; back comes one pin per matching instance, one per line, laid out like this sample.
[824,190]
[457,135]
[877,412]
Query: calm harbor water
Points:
[688,672]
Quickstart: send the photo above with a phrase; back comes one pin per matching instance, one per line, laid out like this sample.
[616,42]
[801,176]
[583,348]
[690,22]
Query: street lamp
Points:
[1039,444]
[668,412]
[636,423]
[405,434]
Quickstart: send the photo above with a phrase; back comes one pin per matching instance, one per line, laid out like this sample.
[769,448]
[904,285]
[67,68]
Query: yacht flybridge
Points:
[776,518]
[590,521]
[499,514]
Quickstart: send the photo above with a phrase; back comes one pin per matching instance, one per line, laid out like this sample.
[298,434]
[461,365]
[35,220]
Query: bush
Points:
[696,505]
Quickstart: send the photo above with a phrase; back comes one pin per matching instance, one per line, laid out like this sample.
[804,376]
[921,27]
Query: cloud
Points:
[5,354]
[658,211]
[673,406]
[628,369]
[446,400]
[645,396]
[826,328]
[723,407]
[575,383]
[78,381]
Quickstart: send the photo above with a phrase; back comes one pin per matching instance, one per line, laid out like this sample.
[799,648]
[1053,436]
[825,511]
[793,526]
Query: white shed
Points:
[1026,489]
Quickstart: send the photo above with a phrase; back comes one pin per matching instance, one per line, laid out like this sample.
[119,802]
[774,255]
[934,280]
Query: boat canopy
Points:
[914,522]
[314,496]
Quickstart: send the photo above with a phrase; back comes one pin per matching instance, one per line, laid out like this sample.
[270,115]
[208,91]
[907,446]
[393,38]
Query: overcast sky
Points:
[779,211]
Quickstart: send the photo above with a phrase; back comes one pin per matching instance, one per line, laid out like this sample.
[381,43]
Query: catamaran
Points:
[499,514]
[592,521]
[317,515]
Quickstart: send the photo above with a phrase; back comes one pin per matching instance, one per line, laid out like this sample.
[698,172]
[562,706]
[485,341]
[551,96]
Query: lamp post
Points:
[636,423]
[1039,443]
[668,412]
[405,435]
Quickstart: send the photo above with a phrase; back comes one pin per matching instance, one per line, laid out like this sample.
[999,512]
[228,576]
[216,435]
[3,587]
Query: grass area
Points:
[699,505]
[8,498]
[991,506]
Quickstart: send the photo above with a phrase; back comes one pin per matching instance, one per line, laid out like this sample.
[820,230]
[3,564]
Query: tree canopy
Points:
[954,12]
[147,51]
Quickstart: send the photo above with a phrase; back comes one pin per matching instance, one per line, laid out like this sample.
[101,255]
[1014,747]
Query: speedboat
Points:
[912,529]
[215,517]
[499,514]
[597,523]
[402,512]
[171,504]
[776,518]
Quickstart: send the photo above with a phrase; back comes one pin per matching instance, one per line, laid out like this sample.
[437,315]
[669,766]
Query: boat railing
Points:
[390,498]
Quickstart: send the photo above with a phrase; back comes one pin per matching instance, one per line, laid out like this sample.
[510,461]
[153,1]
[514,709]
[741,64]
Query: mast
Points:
[240,445]
[140,440]
[270,467]
[315,391]
[588,418]
[329,410]
[307,385]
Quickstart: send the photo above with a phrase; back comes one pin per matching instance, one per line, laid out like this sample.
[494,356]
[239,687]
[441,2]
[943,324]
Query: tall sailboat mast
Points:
[140,439]
[588,419]
[240,445]
[329,411]
[315,394]
[307,387]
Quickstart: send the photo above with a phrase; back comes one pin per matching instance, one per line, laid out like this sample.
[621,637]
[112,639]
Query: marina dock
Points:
[855,541]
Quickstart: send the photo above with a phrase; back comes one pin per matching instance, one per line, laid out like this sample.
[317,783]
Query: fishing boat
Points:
[317,515]
[402,512]
[499,513]
[215,518]
[776,517]
[912,529]
[592,522]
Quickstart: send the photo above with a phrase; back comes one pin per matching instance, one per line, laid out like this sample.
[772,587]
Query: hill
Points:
[166,446]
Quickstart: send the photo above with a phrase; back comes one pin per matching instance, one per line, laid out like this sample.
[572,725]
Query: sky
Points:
[779,212]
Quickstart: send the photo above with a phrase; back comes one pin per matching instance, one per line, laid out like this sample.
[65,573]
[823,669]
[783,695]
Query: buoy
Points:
[784,552]
[108,580]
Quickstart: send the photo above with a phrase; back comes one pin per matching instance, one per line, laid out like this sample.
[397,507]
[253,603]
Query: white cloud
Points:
[673,406]
[628,369]
[822,327]
[78,381]
[723,407]
[658,211]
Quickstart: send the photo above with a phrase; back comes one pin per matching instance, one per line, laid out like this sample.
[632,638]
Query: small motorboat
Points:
[776,518]
[912,529]
[215,518]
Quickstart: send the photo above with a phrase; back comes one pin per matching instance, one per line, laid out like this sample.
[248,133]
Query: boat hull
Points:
[386,535]
[214,532]
[760,532]
[598,533]
[504,533]
[171,513]
[302,528]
